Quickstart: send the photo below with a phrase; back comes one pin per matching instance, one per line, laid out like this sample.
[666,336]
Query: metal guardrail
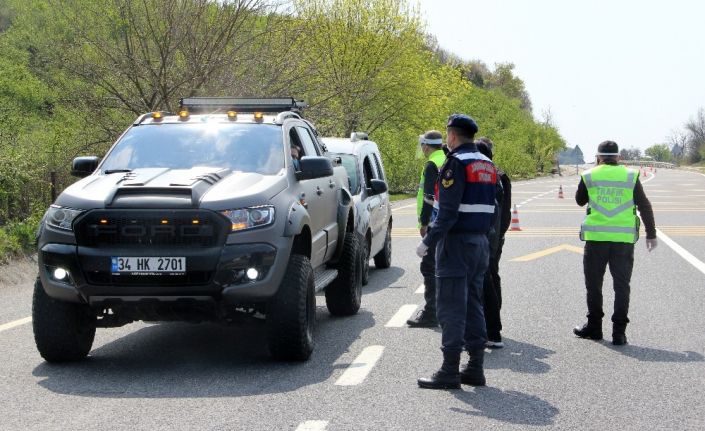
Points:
[648,163]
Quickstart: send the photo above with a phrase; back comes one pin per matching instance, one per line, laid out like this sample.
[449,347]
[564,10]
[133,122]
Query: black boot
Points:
[472,374]
[588,330]
[423,319]
[447,377]
[619,338]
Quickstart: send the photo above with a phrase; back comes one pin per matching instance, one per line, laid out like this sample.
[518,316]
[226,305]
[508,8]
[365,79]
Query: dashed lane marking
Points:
[548,251]
[312,426]
[14,324]
[685,254]
[399,319]
[421,289]
[405,206]
[361,366]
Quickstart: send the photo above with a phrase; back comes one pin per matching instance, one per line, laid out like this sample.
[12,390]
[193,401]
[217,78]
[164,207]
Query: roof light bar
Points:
[269,105]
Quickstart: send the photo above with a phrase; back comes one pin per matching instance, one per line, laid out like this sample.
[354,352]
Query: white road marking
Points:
[361,366]
[400,318]
[421,289]
[312,426]
[15,324]
[405,206]
[685,254]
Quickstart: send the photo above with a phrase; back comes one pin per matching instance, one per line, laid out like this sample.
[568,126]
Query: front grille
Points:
[187,279]
[199,228]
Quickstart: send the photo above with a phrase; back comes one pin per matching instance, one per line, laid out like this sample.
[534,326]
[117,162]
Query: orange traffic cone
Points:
[560,192]
[515,219]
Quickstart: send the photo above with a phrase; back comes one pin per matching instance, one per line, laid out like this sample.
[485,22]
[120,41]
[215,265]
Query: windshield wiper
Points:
[115,171]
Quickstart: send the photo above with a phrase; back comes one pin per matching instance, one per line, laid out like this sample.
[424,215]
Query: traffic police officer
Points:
[610,229]
[430,144]
[465,197]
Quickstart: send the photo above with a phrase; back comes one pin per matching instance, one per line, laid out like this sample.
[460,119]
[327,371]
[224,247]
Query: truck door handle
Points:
[331,184]
[319,191]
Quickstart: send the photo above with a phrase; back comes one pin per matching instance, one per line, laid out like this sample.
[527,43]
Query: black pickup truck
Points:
[202,215]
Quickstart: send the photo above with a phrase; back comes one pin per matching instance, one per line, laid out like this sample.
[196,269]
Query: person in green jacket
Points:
[431,144]
[611,227]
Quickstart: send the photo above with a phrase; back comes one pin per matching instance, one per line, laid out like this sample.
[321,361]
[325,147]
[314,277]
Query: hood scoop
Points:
[164,188]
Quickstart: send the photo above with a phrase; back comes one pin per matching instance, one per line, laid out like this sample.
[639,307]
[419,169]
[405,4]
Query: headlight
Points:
[248,218]
[60,217]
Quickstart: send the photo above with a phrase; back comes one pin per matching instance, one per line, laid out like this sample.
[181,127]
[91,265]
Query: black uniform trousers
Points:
[461,263]
[620,258]
[428,271]
[492,295]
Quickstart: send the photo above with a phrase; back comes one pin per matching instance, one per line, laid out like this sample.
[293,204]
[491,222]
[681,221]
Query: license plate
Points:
[148,265]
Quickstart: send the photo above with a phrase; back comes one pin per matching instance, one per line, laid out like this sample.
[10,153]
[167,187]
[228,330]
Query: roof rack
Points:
[359,136]
[270,105]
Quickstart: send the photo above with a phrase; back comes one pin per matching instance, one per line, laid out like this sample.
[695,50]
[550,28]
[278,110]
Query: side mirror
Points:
[378,186]
[314,167]
[83,166]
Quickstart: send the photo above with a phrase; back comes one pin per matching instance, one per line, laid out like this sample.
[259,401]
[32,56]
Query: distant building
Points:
[571,156]
[677,151]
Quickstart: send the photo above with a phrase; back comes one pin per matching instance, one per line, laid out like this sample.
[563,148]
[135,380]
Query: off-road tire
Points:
[344,294]
[63,331]
[291,313]
[365,256]
[383,259]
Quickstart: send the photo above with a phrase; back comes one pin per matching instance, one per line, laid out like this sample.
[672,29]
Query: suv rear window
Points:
[350,165]
[240,147]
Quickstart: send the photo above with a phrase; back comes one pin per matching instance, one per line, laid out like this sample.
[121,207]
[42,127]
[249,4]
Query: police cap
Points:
[464,122]
[608,148]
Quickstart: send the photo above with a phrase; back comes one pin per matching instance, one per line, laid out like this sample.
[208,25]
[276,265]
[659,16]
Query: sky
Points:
[625,70]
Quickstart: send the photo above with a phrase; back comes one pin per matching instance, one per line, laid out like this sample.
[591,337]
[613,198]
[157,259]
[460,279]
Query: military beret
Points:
[462,121]
[608,148]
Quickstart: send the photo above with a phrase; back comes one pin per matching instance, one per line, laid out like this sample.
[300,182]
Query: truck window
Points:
[307,142]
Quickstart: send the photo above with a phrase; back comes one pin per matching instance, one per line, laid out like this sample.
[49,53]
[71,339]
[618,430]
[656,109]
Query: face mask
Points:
[419,153]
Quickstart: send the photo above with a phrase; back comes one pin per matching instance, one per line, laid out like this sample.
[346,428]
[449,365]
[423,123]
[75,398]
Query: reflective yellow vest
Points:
[438,157]
[611,211]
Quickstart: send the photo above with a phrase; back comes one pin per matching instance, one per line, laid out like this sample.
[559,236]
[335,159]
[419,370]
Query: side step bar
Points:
[323,276]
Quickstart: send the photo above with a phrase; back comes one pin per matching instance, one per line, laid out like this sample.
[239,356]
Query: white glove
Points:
[421,249]
[651,244]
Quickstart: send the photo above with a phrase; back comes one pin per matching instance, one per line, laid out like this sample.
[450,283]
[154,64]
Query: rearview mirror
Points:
[83,166]
[314,167]
[378,186]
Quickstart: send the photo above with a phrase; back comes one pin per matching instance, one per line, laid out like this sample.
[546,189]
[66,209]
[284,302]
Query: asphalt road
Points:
[362,375]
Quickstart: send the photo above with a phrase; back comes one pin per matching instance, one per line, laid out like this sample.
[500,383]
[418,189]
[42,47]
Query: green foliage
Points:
[77,72]
[659,152]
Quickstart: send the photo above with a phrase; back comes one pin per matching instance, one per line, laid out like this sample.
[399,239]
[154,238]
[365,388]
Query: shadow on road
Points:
[519,357]
[507,406]
[175,360]
[648,354]
[383,278]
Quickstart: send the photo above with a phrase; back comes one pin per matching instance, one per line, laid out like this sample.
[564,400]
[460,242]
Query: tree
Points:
[659,152]
[695,145]
[632,153]
[143,55]
[504,80]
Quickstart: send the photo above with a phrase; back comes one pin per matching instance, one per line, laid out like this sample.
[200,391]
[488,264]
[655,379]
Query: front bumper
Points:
[212,273]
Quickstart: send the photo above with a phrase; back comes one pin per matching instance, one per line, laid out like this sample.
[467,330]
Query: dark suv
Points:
[199,216]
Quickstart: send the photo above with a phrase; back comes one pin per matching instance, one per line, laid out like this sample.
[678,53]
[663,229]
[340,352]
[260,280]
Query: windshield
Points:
[350,165]
[240,147]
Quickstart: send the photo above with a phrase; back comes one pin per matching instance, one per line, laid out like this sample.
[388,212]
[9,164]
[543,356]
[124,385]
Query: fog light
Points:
[60,274]
[252,274]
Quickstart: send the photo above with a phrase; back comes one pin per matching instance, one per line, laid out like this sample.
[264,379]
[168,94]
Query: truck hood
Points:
[209,188]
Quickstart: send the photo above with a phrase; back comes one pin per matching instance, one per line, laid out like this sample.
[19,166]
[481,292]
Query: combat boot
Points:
[589,330]
[447,377]
[473,374]
[423,319]
[619,338]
